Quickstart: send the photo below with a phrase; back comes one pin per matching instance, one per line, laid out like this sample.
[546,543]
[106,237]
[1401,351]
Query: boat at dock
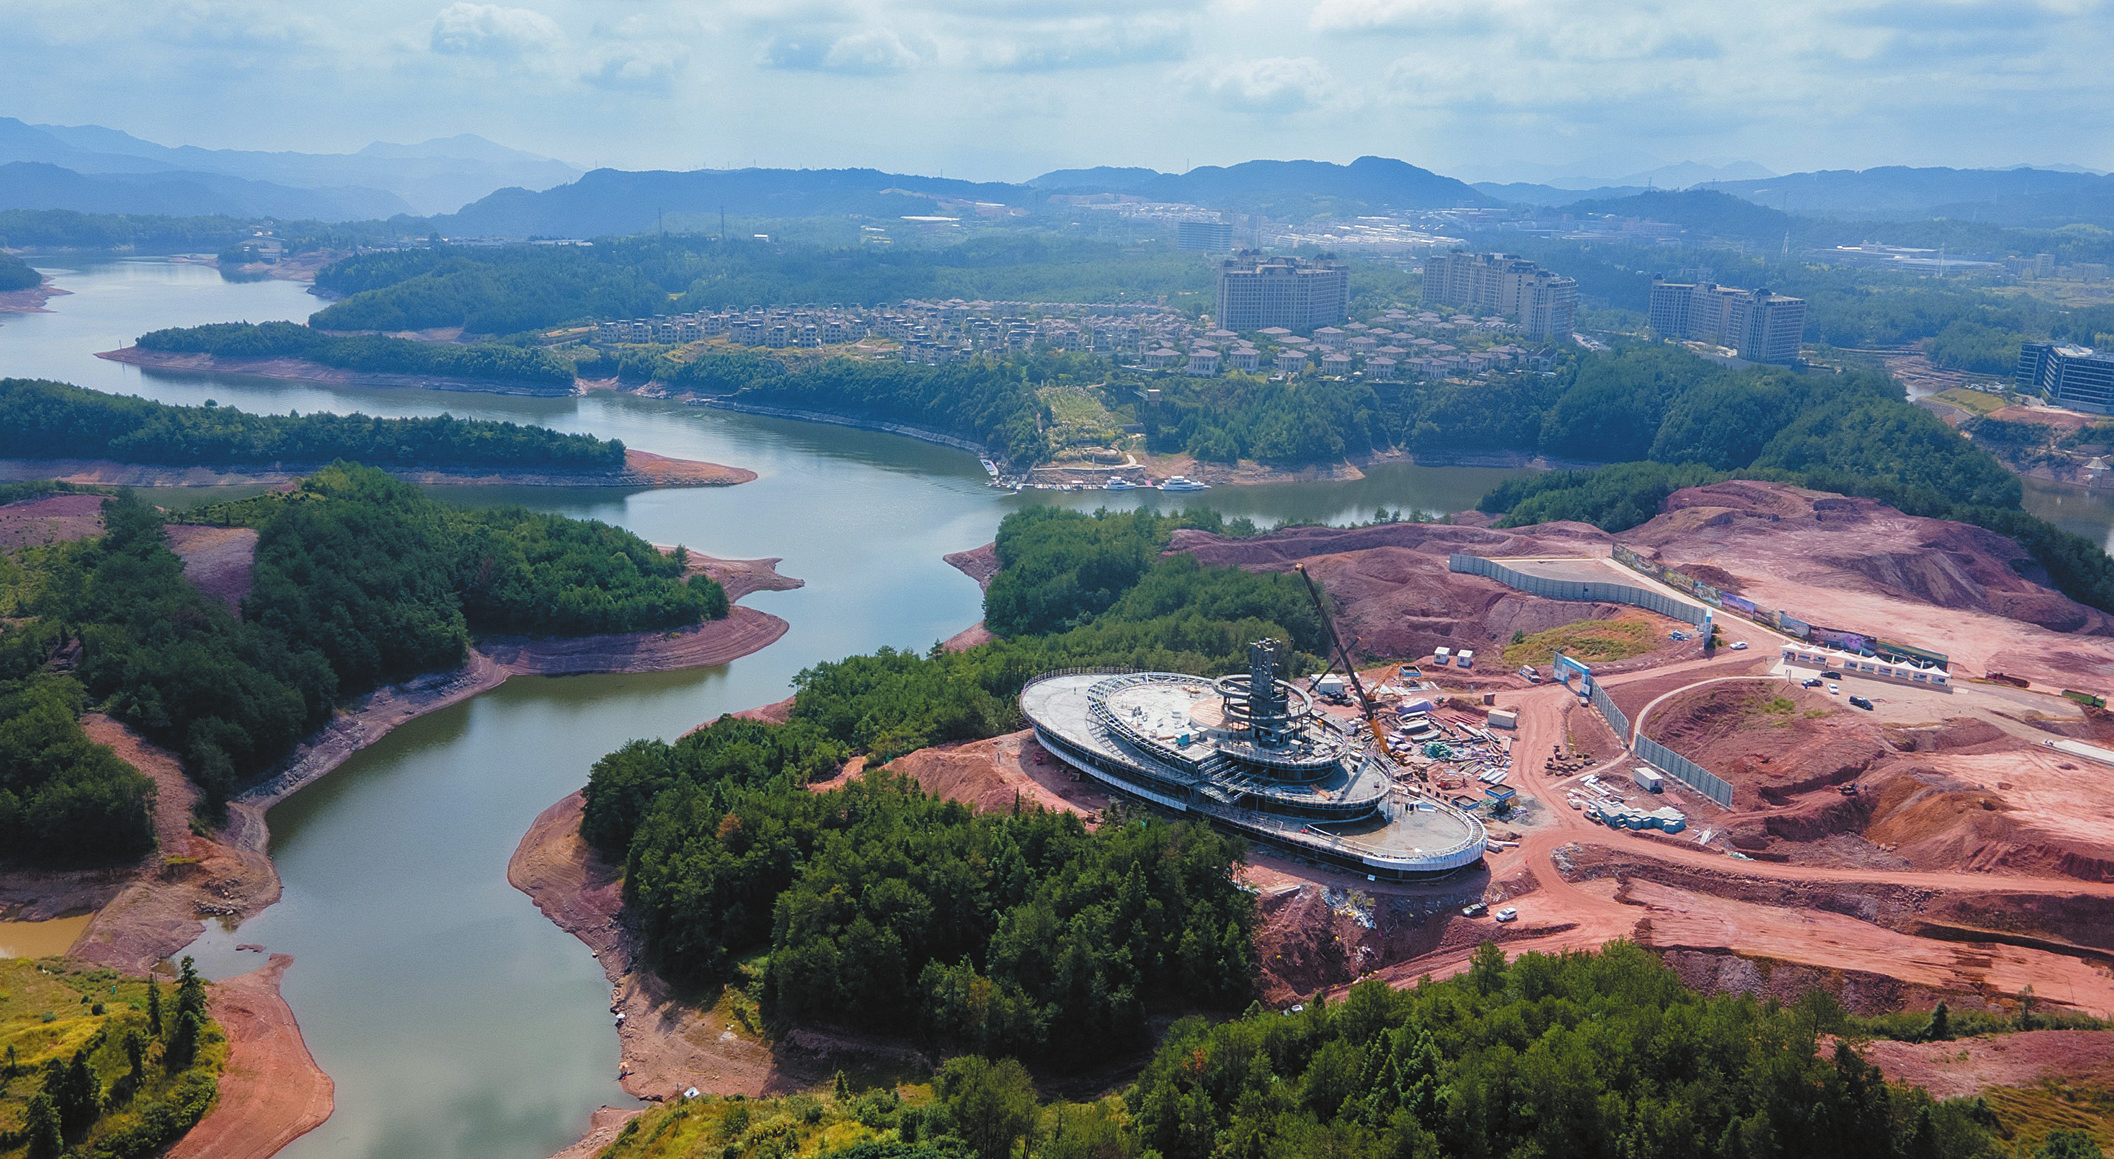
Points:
[1119,485]
[1182,483]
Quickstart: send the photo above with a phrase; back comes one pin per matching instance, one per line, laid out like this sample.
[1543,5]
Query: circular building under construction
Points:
[1248,753]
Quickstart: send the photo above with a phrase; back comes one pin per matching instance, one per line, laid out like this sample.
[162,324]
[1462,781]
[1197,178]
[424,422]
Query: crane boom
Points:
[1372,711]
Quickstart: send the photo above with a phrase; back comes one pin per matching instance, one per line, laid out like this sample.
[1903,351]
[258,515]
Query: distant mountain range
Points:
[468,186]
[617,201]
[380,180]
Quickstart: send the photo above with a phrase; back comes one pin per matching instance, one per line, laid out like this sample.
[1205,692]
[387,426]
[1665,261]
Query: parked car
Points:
[1813,683]
[1474,909]
[1739,645]
[1860,702]
[1834,690]
[1508,914]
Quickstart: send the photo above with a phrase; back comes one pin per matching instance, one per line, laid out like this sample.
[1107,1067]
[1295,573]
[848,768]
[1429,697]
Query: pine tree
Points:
[41,1128]
[154,1007]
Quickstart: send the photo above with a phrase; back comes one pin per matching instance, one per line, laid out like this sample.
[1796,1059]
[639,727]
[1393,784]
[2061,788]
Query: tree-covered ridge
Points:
[878,906]
[887,909]
[52,420]
[1585,1054]
[359,579]
[64,800]
[988,401]
[389,583]
[1575,1055]
[371,353]
[16,274]
[101,1067]
[507,289]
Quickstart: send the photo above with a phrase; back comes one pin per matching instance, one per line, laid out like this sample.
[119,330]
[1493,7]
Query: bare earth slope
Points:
[1853,563]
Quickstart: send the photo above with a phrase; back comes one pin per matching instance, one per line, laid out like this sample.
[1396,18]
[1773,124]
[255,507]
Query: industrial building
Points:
[1248,754]
[1255,292]
[1759,325]
[2074,376]
[1545,304]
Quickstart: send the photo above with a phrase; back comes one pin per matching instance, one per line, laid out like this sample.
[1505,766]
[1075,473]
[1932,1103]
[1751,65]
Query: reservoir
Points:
[455,1020]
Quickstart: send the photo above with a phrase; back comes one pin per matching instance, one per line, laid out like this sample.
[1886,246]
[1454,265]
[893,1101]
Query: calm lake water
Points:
[455,1020]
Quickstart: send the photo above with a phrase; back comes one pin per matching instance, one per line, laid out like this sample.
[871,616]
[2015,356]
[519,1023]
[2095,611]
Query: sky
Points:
[1005,89]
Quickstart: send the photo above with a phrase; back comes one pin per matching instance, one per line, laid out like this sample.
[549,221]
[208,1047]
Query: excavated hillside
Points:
[1390,584]
[1863,566]
[1960,794]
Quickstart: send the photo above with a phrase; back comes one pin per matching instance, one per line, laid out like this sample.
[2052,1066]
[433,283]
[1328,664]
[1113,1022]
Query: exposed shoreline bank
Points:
[642,469]
[31,299]
[145,912]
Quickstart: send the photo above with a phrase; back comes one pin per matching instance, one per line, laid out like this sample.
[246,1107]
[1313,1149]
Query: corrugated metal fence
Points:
[1680,768]
[1594,590]
[1611,714]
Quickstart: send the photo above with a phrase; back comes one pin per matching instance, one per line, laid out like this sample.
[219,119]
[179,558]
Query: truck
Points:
[1650,780]
[1467,658]
[1530,674]
[1329,686]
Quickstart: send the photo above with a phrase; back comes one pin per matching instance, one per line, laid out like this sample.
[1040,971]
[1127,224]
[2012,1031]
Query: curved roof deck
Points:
[1408,839]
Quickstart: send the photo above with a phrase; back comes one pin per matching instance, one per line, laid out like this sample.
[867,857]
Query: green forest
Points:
[16,274]
[1585,1055]
[101,1067]
[876,905]
[66,229]
[371,353]
[359,579]
[54,420]
[508,289]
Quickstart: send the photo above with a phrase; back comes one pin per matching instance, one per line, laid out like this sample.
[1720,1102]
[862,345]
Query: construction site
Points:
[1671,772]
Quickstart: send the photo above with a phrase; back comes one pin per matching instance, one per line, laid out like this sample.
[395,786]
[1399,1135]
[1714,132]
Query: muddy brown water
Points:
[40,939]
[455,1020]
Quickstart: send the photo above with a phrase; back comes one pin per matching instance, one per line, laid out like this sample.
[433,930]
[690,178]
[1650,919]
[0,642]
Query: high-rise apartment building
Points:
[1298,294]
[2075,376]
[1759,325]
[1207,236]
[1545,304]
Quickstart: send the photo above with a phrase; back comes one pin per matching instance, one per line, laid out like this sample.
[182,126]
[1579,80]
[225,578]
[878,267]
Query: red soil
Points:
[52,519]
[1965,1067]
[272,1091]
[1391,587]
[217,560]
[1852,563]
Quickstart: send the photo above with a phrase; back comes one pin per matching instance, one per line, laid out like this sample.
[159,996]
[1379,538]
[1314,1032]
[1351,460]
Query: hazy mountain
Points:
[2019,197]
[432,177]
[608,201]
[41,185]
[1613,170]
[1301,188]
[1527,193]
[1099,179]
[1702,211]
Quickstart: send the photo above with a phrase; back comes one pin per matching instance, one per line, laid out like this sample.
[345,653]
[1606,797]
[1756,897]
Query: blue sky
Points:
[1005,89]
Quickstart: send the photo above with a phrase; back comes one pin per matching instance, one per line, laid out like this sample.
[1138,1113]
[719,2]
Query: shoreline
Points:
[302,370]
[31,299]
[146,911]
[642,469]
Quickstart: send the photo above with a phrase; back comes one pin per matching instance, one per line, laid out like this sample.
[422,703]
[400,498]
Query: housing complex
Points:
[1545,304]
[1758,325]
[1255,292]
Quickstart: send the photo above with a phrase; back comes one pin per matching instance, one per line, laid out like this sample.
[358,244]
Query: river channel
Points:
[455,1020]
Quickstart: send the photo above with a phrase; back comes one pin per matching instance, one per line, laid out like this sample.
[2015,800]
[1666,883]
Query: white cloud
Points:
[866,52]
[1091,43]
[1271,85]
[1411,15]
[492,31]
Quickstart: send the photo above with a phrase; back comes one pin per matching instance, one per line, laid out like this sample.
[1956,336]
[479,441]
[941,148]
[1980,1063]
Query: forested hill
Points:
[882,908]
[53,420]
[372,354]
[359,579]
